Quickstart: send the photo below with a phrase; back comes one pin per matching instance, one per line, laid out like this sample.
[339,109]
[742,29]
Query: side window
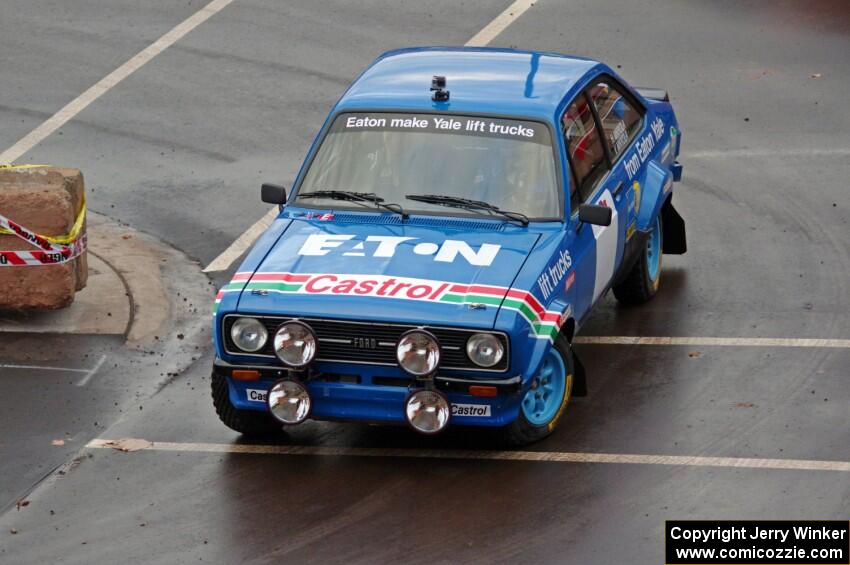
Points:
[621,121]
[584,147]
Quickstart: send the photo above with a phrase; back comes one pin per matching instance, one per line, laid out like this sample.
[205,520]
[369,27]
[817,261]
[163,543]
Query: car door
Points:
[597,177]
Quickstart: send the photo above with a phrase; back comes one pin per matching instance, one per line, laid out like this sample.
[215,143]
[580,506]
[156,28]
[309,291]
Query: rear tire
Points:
[246,422]
[641,284]
[535,425]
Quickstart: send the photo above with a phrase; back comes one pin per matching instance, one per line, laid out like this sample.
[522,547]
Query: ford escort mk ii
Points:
[456,219]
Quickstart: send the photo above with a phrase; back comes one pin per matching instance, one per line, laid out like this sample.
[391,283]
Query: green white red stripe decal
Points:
[544,323]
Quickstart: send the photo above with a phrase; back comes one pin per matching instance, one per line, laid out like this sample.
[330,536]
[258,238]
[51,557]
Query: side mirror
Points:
[273,194]
[595,214]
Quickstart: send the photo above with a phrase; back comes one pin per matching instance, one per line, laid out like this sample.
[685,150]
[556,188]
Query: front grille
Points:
[339,341]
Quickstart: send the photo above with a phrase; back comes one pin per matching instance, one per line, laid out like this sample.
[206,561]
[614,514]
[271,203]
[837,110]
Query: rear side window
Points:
[584,147]
[620,120]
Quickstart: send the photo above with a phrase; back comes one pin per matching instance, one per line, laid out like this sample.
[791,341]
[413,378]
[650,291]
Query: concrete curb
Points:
[140,288]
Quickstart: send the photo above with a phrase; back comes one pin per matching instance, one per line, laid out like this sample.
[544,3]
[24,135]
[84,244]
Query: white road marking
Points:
[103,86]
[500,23]
[719,341]
[244,241]
[756,153]
[87,377]
[42,368]
[541,456]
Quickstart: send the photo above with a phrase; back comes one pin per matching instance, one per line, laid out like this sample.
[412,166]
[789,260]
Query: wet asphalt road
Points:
[179,149]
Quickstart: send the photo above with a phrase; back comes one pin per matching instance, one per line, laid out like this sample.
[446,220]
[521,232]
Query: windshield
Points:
[507,163]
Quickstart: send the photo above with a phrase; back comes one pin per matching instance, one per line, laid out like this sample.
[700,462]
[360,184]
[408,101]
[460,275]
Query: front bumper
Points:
[374,394]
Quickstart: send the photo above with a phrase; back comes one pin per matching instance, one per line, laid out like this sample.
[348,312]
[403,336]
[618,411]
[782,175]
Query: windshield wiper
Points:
[358,197]
[467,204]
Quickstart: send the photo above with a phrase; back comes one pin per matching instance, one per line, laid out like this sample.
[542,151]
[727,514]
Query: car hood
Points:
[436,272]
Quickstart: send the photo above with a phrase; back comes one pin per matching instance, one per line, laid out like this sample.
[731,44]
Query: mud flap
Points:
[580,383]
[674,240]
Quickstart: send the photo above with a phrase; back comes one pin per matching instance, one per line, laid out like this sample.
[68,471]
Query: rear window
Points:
[621,121]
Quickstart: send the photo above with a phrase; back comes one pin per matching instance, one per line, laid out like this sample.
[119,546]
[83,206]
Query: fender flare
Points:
[657,198]
[657,184]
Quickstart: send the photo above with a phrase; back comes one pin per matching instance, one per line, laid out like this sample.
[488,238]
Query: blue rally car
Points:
[455,221]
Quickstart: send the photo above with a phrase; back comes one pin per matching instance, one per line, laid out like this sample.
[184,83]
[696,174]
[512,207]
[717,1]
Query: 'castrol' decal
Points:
[544,323]
[471,410]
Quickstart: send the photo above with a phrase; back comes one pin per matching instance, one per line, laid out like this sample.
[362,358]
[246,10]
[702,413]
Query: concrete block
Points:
[46,201]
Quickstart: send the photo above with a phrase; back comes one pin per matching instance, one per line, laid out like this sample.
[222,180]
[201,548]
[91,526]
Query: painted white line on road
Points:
[756,153]
[541,456]
[105,84]
[87,377]
[500,23]
[719,341]
[244,241]
[42,368]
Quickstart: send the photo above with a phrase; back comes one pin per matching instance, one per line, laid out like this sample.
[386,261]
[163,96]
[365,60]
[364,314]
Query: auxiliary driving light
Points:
[418,353]
[289,401]
[485,350]
[427,411]
[249,334]
[295,344]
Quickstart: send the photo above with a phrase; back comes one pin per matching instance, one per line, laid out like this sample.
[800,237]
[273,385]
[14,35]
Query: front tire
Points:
[246,422]
[544,405]
[641,284]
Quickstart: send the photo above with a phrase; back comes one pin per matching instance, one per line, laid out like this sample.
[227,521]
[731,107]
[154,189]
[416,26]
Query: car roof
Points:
[481,81]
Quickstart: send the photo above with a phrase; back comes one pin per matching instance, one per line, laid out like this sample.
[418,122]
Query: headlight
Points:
[295,344]
[249,334]
[427,411]
[289,401]
[485,350]
[418,353]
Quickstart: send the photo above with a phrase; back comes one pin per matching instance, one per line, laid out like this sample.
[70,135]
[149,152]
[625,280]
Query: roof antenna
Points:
[438,87]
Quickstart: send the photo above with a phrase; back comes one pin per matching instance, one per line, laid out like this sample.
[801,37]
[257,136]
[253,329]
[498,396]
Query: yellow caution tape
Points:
[69,237]
[23,166]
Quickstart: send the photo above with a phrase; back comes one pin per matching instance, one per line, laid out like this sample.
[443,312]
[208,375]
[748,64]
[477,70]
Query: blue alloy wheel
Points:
[542,402]
[653,250]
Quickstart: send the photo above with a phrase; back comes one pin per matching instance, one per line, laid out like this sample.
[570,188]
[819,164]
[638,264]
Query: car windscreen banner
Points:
[476,126]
